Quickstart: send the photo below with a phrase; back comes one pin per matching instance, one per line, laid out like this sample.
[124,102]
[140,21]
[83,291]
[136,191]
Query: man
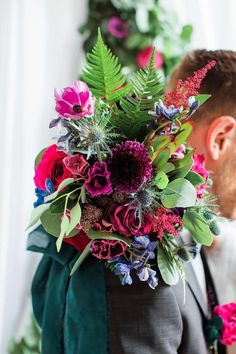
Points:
[214,135]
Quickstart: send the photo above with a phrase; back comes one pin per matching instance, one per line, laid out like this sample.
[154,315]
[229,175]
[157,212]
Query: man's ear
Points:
[220,136]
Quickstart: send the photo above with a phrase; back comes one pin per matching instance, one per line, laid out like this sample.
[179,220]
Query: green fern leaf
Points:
[133,117]
[103,74]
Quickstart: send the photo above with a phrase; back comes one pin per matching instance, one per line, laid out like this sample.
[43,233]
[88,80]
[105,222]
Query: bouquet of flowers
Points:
[120,182]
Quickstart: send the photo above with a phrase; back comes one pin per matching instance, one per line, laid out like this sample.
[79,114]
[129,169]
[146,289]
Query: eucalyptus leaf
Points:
[97,235]
[179,193]
[81,258]
[197,227]
[64,225]
[161,180]
[166,265]
[36,214]
[61,186]
[51,223]
[75,215]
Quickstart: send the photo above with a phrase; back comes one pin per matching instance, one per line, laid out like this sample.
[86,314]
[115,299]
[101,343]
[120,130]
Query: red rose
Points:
[107,249]
[51,166]
[79,241]
[125,221]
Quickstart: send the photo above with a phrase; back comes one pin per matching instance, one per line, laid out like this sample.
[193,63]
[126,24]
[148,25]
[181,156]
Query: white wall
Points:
[40,49]
[214,21]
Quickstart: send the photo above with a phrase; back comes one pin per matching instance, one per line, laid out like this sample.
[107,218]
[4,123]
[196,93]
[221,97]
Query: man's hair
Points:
[220,81]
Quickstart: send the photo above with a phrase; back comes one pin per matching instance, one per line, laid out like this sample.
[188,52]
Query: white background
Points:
[41,49]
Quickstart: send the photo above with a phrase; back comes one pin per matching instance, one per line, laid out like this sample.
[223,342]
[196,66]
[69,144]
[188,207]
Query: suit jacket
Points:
[92,313]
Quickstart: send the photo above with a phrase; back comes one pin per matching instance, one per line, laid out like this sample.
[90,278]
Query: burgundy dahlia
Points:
[130,166]
[107,249]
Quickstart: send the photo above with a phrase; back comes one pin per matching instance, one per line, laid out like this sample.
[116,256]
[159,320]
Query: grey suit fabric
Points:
[140,320]
[146,321]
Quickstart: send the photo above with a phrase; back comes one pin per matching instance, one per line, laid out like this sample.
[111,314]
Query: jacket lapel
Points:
[192,282]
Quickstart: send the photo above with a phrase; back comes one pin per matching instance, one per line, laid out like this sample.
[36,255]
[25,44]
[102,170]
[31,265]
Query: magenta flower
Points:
[117,27]
[227,313]
[199,167]
[77,165]
[144,55]
[98,180]
[74,101]
[107,249]
[130,166]
[179,153]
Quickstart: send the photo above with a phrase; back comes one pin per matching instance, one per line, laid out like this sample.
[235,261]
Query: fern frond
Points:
[133,117]
[103,74]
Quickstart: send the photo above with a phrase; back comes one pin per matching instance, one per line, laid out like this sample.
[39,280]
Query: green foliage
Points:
[51,223]
[214,227]
[148,23]
[195,179]
[36,214]
[182,166]
[179,193]
[39,157]
[161,180]
[166,265]
[198,228]
[103,74]
[202,98]
[133,118]
[29,343]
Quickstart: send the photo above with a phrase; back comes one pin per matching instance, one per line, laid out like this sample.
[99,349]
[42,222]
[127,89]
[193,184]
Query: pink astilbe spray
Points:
[187,88]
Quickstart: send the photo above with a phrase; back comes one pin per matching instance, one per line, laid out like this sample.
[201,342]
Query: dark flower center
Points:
[57,172]
[126,167]
[77,108]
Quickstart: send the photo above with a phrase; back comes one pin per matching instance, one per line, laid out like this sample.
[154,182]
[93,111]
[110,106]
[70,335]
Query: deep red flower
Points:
[126,222]
[107,249]
[165,221]
[79,241]
[51,166]
[130,166]
[77,165]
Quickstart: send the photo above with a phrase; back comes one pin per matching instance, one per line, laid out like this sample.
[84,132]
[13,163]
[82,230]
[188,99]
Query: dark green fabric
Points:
[71,311]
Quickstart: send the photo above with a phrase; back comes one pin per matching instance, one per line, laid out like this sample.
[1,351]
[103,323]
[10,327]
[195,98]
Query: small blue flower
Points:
[124,269]
[42,193]
[193,105]
[161,111]
[143,243]
[149,275]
